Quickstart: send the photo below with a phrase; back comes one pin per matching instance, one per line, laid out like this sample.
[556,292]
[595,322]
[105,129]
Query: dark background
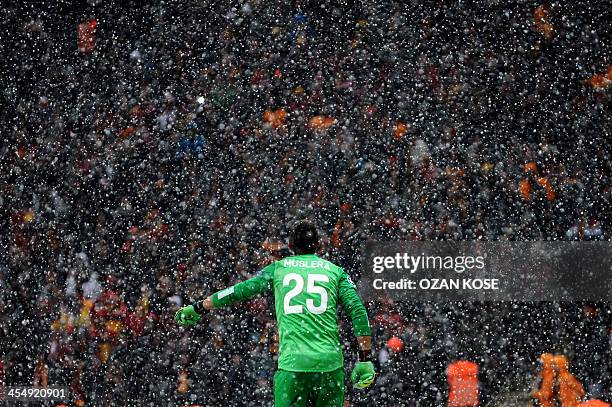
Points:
[165,214]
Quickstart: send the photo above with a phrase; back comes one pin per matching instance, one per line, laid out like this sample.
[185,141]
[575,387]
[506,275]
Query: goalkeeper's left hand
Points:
[187,316]
[363,375]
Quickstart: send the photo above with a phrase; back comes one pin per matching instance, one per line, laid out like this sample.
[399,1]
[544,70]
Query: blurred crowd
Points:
[153,152]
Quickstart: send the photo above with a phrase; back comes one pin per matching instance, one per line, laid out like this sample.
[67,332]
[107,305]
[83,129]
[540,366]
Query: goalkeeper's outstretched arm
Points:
[245,290]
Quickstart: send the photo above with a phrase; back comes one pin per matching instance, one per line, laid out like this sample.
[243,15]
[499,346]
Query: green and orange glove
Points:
[188,316]
[363,373]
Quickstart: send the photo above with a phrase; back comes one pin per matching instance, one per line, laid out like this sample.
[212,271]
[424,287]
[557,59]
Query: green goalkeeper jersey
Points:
[307,292]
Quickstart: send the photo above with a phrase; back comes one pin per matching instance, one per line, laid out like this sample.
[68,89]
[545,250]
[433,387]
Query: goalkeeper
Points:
[307,290]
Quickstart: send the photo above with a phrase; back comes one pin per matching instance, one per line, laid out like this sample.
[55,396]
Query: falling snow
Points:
[154,152]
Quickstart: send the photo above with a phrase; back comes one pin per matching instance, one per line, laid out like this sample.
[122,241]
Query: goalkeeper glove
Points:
[188,316]
[363,373]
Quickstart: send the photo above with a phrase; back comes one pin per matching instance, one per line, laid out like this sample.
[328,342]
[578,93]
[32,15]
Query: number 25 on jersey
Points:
[311,288]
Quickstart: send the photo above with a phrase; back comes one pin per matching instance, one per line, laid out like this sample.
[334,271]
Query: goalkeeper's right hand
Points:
[187,316]
[363,375]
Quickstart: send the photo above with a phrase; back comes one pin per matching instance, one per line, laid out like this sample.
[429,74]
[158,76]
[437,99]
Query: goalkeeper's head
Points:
[304,238]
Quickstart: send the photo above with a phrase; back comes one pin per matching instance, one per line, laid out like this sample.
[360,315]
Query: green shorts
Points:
[301,389]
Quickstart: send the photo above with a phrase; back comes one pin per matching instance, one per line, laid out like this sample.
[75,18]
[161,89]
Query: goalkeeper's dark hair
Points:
[304,237]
